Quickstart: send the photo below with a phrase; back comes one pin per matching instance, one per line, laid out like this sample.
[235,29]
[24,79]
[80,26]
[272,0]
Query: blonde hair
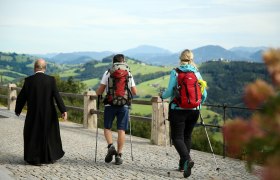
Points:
[186,57]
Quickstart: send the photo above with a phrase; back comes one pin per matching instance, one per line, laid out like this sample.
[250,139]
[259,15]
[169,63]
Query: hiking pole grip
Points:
[201,119]
[98,101]
[163,110]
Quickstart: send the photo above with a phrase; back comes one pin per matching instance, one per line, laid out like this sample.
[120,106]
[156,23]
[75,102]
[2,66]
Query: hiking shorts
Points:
[121,113]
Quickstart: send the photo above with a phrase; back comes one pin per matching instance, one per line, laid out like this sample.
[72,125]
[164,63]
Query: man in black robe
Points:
[42,142]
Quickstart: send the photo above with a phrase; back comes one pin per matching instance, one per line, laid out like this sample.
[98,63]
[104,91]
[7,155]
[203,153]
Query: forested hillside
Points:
[14,67]
[226,81]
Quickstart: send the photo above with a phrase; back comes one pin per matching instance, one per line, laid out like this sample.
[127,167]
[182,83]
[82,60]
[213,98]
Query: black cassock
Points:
[42,142]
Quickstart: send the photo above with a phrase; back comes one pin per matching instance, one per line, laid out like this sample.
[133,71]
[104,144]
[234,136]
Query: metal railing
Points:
[141,102]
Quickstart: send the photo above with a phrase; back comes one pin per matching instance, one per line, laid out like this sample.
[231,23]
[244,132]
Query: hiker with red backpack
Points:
[120,87]
[187,92]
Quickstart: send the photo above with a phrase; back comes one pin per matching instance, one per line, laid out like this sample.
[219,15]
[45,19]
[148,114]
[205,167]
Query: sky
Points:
[51,26]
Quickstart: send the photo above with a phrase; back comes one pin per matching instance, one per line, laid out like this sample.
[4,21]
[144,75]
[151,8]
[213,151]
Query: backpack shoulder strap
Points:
[108,71]
[177,71]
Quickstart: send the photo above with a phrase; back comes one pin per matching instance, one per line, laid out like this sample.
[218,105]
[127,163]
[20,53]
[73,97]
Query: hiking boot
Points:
[188,168]
[181,168]
[181,165]
[111,152]
[118,159]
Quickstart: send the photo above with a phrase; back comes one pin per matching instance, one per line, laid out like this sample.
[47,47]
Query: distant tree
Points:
[107,60]
[70,85]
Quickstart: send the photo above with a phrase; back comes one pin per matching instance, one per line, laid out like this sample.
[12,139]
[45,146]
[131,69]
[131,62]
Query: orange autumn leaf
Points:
[272,60]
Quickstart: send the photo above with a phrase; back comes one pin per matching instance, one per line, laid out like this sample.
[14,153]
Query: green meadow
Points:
[91,82]
[68,73]
[143,69]
[152,87]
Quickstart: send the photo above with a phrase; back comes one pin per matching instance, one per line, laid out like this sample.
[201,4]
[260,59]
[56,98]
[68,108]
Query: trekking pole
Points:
[129,108]
[96,136]
[202,122]
[165,136]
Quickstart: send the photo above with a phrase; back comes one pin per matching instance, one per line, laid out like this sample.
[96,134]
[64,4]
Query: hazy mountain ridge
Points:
[214,52]
[146,53]
[161,56]
[78,57]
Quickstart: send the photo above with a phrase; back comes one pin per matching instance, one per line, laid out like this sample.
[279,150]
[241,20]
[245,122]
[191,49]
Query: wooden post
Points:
[12,97]
[158,126]
[90,120]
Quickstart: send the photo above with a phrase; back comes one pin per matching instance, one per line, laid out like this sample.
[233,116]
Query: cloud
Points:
[168,24]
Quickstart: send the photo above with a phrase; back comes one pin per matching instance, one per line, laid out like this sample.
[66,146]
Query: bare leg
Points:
[108,136]
[121,140]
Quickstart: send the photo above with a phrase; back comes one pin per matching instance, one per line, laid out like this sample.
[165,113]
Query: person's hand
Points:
[17,114]
[161,92]
[64,116]
[160,95]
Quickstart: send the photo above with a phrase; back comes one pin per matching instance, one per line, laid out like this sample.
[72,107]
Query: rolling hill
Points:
[91,72]
[14,67]
[226,79]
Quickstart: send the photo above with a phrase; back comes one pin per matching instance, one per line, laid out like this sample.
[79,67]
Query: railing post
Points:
[12,96]
[90,120]
[158,126]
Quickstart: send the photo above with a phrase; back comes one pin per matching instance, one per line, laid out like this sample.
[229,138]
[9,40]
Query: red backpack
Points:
[187,92]
[119,86]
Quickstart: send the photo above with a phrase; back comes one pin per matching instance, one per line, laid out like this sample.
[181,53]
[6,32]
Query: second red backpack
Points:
[187,92]
[119,85]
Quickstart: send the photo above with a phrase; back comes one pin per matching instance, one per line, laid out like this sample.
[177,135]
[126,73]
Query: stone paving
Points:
[150,161]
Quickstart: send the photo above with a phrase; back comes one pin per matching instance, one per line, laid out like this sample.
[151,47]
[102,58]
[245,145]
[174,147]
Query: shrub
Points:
[257,139]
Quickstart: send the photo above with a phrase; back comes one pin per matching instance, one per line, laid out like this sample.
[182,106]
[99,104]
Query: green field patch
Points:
[152,87]
[91,82]
[6,58]
[211,117]
[102,64]
[68,73]
[5,70]
[31,65]
[139,67]
[141,110]
[22,59]
[7,79]
[147,69]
